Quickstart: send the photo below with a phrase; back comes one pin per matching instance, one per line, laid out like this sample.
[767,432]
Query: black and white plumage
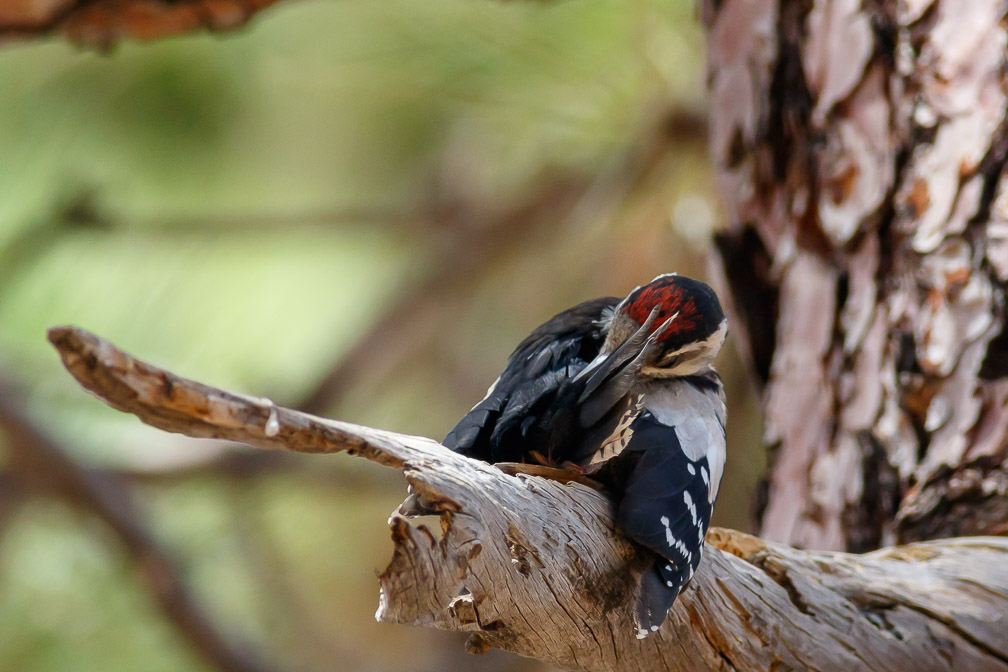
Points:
[625,391]
[520,414]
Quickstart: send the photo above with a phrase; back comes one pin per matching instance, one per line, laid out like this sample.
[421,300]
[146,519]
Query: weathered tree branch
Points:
[535,566]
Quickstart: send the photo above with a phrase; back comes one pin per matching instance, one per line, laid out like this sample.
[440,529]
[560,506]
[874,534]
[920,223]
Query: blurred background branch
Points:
[44,467]
[101,24]
[473,246]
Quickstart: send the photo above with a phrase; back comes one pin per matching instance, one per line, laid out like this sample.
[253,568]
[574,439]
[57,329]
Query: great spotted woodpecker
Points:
[624,391]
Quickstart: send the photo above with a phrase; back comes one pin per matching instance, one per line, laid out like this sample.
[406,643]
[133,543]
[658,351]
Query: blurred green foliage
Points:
[240,209]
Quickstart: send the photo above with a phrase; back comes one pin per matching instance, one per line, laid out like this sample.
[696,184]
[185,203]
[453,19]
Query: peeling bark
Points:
[536,567]
[861,149]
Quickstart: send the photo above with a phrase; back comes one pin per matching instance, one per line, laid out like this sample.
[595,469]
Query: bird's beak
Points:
[595,363]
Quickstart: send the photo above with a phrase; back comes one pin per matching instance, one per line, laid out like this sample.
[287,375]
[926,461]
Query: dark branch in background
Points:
[102,24]
[82,214]
[535,566]
[43,464]
[239,465]
[286,608]
[412,319]
[476,239]
[240,468]
[481,240]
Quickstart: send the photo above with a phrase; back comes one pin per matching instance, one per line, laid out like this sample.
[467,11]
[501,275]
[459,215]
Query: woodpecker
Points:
[624,391]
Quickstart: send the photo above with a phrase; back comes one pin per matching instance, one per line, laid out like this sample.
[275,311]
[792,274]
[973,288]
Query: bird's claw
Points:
[575,474]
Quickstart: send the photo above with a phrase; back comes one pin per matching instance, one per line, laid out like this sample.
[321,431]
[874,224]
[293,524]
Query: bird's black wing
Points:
[665,507]
[521,413]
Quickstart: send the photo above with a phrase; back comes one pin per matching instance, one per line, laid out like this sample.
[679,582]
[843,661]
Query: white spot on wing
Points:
[689,504]
[668,532]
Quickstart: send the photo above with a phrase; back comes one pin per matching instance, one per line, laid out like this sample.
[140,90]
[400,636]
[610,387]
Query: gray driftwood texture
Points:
[535,567]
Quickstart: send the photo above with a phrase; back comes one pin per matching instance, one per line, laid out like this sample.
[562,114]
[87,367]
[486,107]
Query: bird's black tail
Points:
[660,586]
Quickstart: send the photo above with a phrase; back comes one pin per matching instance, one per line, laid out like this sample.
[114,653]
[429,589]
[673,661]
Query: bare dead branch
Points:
[481,240]
[101,24]
[413,318]
[536,567]
[286,607]
[47,467]
[241,466]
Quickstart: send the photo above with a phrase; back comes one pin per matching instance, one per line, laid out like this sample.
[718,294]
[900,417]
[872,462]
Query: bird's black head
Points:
[693,337]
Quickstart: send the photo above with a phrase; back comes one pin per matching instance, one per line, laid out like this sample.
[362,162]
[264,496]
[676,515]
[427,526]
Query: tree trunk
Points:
[860,149]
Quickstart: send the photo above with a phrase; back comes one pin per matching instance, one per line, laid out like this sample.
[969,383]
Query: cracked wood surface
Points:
[860,148]
[534,566]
